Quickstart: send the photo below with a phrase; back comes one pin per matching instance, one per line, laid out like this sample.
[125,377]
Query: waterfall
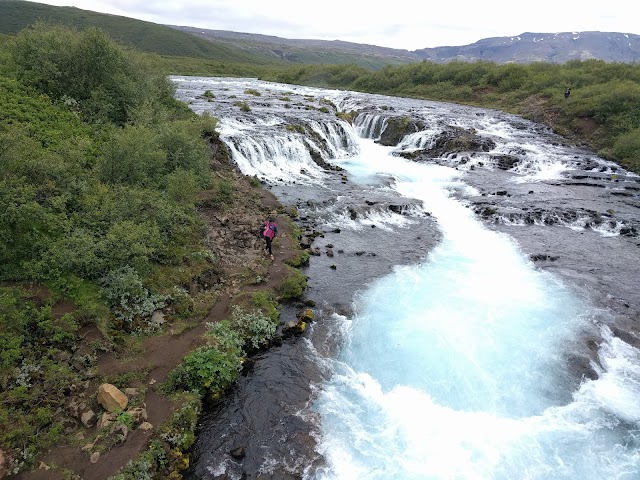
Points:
[471,362]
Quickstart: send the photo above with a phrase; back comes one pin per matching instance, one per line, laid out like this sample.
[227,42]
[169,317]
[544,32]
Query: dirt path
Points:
[160,354]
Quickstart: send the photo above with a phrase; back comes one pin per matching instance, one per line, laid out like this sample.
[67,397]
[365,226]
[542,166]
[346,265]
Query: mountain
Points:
[237,47]
[226,47]
[542,47]
[308,51]
[144,36]
[523,48]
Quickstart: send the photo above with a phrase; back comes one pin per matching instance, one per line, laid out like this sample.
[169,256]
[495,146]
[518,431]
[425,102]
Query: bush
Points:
[255,328]
[267,304]
[627,149]
[299,260]
[127,296]
[205,370]
[293,286]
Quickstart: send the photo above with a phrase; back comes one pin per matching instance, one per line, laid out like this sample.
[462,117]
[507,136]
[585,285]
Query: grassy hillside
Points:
[144,36]
[172,42]
[308,51]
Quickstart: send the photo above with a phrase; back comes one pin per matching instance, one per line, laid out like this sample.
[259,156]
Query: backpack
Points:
[268,230]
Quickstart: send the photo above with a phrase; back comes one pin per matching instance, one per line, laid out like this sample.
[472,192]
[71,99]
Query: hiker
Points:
[567,92]
[269,232]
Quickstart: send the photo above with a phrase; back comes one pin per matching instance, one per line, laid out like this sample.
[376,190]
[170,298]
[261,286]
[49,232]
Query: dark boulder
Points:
[505,162]
[397,128]
[237,453]
[457,139]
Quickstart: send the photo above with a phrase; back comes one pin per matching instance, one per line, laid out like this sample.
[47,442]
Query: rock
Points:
[145,426]
[106,419]
[237,453]
[329,252]
[296,326]
[456,140]
[542,256]
[505,162]
[138,414]
[111,398]
[69,425]
[333,267]
[120,430]
[88,418]
[131,392]
[397,128]
[305,315]
[158,318]
[95,456]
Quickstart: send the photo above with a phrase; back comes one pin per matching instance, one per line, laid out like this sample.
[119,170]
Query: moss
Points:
[299,260]
[295,128]
[293,285]
[346,116]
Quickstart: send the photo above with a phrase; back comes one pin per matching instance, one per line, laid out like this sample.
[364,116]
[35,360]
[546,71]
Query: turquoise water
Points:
[456,368]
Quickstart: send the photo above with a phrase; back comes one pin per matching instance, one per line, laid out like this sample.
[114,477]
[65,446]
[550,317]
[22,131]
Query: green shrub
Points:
[255,328]
[205,370]
[132,156]
[293,286]
[299,260]
[85,68]
[35,349]
[627,149]
[267,304]
[126,295]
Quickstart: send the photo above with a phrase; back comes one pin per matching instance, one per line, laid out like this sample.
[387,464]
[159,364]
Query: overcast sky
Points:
[397,24]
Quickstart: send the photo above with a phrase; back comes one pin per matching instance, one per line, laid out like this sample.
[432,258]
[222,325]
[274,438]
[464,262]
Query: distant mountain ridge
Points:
[543,47]
[248,48]
[306,50]
[524,48]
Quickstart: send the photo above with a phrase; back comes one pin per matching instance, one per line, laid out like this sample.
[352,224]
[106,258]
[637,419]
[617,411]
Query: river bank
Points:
[241,266]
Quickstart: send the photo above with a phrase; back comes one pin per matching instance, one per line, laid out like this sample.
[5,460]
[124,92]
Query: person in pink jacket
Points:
[269,232]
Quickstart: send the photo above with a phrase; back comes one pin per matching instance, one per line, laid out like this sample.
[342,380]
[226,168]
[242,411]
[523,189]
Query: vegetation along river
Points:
[476,282]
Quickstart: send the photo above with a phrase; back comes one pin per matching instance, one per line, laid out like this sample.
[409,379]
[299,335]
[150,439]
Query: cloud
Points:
[407,25]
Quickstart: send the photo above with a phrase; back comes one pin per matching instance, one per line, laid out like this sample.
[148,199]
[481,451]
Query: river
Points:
[477,310]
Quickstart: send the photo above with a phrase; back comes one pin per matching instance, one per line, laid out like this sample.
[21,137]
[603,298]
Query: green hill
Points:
[144,36]
[189,42]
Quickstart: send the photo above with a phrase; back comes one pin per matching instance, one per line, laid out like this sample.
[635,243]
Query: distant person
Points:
[567,92]
[269,232]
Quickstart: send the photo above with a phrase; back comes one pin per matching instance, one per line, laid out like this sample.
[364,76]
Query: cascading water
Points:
[457,365]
